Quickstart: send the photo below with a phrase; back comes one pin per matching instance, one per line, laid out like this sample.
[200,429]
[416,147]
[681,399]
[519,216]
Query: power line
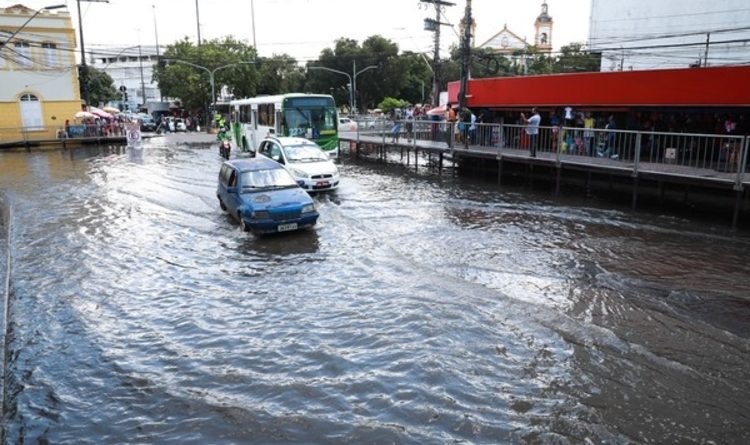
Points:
[670,16]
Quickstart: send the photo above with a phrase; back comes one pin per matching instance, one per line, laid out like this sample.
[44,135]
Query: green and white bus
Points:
[312,116]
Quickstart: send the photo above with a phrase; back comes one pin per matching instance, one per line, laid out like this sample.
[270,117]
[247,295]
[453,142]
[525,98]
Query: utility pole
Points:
[252,16]
[198,22]
[465,57]
[84,71]
[143,84]
[156,35]
[434,26]
[705,56]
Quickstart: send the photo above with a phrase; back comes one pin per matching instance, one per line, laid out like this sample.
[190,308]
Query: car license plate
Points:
[322,184]
[286,227]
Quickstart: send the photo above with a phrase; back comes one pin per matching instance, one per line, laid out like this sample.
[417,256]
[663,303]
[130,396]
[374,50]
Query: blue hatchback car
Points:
[264,197]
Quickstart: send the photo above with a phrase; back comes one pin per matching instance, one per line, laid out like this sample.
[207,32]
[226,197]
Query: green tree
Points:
[101,88]
[531,62]
[574,58]
[348,56]
[388,104]
[192,86]
[487,63]
[280,74]
[417,84]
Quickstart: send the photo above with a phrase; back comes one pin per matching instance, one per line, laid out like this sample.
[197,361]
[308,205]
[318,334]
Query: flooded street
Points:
[423,309]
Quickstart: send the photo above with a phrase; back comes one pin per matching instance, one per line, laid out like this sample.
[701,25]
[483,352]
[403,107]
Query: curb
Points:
[6,214]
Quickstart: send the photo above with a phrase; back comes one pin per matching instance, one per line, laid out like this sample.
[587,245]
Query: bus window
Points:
[266,115]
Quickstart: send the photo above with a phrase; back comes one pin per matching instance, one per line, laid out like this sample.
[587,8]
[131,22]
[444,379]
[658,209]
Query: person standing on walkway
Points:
[532,129]
[588,133]
[396,129]
[409,123]
[611,137]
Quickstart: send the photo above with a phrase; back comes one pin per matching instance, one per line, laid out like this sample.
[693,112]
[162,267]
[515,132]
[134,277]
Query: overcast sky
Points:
[302,28]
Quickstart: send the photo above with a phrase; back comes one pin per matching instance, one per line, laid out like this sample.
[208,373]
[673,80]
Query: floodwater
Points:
[423,309]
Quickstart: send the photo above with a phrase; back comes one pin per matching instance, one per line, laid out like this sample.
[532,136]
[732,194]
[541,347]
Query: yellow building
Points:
[38,73]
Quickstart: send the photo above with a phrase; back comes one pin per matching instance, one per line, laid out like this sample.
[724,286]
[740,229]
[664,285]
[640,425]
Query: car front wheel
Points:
[222,205]
[243,224]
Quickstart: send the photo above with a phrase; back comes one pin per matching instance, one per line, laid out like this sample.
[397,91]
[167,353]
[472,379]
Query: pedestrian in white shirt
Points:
[532,129]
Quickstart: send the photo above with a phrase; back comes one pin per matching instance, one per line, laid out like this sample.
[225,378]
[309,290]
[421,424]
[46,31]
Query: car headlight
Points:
[307,208]
[260,215]
[298,173]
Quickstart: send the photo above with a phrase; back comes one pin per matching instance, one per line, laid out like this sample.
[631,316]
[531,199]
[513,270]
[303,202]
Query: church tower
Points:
[543,36]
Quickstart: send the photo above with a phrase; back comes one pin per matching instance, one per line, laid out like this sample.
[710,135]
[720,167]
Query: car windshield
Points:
[304,153]
[266,179]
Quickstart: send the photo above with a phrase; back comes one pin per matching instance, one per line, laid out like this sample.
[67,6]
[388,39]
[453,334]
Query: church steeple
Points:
[543,25]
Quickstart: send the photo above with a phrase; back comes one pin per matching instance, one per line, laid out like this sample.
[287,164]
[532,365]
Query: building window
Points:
[543,38]
[31,112]
[50,54]
[23,54]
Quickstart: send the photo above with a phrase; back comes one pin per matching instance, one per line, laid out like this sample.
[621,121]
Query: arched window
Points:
[31,112]
[543,38]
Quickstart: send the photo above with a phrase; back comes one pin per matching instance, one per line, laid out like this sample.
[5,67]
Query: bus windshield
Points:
[310,122]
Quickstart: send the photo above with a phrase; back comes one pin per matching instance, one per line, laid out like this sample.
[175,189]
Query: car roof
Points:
[253,164]
[289,140]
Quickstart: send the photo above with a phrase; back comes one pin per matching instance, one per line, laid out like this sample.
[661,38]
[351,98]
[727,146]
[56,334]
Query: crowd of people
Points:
[95,127]
[586,132]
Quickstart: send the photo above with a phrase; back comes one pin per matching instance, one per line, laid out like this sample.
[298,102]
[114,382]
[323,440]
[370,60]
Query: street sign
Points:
[123,88]
[133,133]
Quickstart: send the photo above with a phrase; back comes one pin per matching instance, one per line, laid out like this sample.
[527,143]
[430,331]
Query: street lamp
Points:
[352,81]
[357,73]
[46,8]
[210,74]
[351,90]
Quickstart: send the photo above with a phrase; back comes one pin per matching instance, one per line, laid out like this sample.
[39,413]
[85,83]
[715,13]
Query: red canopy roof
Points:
[694,87]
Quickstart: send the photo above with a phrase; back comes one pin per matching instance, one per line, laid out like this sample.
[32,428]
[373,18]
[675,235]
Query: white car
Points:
[311,167]
[346,124]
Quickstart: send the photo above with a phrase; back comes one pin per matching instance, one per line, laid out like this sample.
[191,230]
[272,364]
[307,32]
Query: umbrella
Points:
[83,115]
[437,111]
[112,110]
[100,112]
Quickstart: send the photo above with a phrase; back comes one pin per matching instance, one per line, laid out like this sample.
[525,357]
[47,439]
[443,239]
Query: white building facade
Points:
[131,68]
[648,34]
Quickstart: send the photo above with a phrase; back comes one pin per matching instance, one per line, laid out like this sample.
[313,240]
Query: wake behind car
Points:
[264,197]
[305,160]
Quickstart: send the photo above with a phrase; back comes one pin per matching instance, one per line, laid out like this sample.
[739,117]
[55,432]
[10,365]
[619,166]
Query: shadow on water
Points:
[300,242]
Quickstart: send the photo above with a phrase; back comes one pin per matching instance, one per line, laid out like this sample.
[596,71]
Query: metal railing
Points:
[45,133]
[663,152]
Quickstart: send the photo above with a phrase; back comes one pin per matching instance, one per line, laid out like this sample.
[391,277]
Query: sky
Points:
[302,28]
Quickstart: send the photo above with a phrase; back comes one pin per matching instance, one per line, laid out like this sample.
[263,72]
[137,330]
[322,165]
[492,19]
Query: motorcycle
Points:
[225,148]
